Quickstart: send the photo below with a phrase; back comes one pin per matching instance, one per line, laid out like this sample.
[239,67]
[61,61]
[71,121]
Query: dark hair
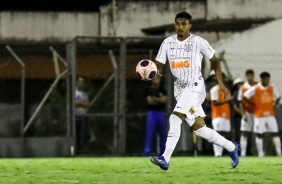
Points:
[183,15]
[250,71]
[264,75]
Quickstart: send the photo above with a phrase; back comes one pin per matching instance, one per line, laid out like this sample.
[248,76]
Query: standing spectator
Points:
[210,82]
[156,98]
[247,111]
[81,106]
[220,115]
[237,115]
[264,95]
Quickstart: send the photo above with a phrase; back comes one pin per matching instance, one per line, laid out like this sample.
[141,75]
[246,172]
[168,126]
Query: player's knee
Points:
[204,133]
[199,123]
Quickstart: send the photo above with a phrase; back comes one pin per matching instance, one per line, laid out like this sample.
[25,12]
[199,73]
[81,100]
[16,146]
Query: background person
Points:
[237,113]
[220,111]
[81,106]
[156,98]
[264,95]
[247,111]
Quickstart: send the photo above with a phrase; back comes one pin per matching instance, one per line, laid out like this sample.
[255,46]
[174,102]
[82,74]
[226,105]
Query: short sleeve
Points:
[206,49]
[162,54]
[214,93]
[250,92]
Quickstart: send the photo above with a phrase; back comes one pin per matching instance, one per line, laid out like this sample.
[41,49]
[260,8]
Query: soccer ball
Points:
[146,69]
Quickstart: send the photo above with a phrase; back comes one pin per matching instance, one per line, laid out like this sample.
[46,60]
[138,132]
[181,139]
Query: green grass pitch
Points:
[139,170]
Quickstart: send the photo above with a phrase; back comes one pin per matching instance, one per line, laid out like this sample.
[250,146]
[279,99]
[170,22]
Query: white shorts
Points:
[247,125]
[221,124]
[265,124]
[189,102]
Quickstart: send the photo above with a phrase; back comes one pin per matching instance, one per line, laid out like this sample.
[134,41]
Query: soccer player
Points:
[247,111]
[265,97]
[156,99]
[220,110]
[185,52]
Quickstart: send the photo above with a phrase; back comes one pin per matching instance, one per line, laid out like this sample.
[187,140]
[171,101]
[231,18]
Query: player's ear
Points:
[190,25]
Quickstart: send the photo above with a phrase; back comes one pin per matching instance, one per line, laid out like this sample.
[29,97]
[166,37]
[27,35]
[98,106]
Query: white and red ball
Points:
[146,69]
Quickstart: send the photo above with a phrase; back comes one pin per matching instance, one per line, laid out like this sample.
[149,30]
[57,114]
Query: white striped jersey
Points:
[185,58]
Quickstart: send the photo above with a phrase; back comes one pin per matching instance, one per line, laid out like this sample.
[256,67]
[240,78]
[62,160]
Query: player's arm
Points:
[277,96]
[161,99]
[151,100]
[248,94]
[218,103]
[242,111]
[160,67]
[82,103]
[237,108]
[248,100]
[241,108]
[218,72]
[215,99]
[161,58]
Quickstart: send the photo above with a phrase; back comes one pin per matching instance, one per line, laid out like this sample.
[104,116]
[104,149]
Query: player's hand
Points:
[244,117]
[223,90]
[158,74]
[230,98]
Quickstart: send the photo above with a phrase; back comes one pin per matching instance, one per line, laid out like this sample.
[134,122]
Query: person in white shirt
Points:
[81,106]
[185,52]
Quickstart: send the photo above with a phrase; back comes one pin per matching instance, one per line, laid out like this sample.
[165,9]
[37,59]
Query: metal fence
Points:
[32,91]
[117,107]
[38,85]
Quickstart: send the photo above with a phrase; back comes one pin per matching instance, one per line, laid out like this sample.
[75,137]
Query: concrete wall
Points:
[236,9]
[38,26]
[132,16]
[258,49]
[36,147]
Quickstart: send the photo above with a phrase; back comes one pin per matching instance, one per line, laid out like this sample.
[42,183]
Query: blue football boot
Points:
[160,161]
[234,155]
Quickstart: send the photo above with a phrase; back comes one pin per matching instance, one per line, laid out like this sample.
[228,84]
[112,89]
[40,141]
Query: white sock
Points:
[217,150]
[173,136]
[259,143]
[277,144]
[215,138]
[243,144]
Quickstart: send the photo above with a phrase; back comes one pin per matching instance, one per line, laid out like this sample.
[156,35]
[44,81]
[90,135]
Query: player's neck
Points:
[252,83]
[183,37]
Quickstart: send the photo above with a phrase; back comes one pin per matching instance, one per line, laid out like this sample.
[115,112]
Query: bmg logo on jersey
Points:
[180,64]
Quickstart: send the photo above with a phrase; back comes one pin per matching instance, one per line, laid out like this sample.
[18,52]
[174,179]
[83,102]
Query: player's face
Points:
[250,77]
[265,81]
[80,83]
[182,27]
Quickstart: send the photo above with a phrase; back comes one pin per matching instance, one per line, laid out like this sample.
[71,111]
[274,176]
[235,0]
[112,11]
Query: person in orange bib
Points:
[220,112]
[265,96]
[247,111]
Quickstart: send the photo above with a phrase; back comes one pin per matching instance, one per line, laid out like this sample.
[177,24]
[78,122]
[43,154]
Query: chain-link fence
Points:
[39,89]
[33,91]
